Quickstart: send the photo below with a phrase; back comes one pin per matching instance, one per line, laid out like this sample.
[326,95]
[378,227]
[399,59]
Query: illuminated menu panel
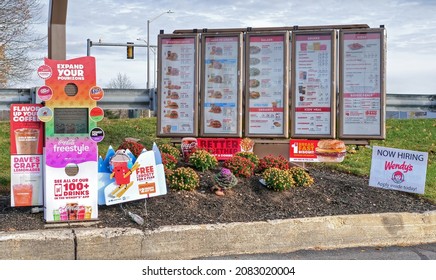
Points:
[362,91]
[313,87]
[177,96]
[221,101]
[266,84]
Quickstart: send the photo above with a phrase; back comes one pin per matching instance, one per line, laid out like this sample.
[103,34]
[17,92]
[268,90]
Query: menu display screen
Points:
[361,83]
[221,100]
[177,94]
[71,120]
[313,86]
[266,84]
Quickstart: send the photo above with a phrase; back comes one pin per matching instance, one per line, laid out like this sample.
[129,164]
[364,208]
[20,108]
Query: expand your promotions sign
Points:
[400,170]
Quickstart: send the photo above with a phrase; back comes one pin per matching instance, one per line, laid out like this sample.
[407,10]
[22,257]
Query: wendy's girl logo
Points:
[398,177]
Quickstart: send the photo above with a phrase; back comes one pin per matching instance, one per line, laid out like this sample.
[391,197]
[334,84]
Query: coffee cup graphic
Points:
[26,141]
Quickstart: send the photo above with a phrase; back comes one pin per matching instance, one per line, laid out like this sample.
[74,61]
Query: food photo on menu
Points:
[172,56]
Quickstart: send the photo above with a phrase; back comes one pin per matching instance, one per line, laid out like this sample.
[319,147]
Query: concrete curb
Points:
[189,242]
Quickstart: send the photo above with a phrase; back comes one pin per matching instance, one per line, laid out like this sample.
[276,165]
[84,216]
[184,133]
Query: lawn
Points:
[410,134]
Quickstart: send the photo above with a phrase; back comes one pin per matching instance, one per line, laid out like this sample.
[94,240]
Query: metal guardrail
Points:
[145,99]
[113,98]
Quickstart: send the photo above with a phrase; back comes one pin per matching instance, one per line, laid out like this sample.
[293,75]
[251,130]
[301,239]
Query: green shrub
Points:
[301,177]
[203,160]
[170,149]
[278,179]
[226,179]
[169,161]
[183,178]
[134,147]
[240,166]
[251,156]
[272,161]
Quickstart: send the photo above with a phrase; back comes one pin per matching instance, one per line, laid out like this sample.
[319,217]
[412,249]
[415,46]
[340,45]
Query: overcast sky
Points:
[410,25]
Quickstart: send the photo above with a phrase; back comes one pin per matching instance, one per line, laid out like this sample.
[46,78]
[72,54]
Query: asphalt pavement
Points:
[416,252]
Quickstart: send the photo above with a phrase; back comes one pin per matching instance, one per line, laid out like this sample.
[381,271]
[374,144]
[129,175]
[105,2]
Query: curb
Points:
[197,241]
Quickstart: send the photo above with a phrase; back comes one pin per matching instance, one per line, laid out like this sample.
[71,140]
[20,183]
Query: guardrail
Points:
[145,99]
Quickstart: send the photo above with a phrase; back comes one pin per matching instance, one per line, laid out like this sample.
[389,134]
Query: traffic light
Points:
[130,50]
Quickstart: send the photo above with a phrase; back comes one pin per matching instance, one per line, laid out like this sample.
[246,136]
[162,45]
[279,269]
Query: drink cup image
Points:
[34,181]
[26,141]
[81,213]
[22,194]
[56,215]
[88,212]
[63,213]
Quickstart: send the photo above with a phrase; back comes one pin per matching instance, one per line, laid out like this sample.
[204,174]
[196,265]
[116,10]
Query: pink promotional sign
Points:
[26,137]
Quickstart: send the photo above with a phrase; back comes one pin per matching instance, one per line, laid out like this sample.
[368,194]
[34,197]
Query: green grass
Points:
[413,134]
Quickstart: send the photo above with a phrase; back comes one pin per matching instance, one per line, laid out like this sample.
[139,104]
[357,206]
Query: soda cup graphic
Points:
[26,141]
[56,215]
[88,212]
[63,213]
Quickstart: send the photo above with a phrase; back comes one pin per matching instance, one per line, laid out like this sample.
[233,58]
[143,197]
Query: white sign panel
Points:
[400,170]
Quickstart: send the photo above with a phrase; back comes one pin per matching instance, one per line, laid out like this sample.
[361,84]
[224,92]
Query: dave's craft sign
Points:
[400,170]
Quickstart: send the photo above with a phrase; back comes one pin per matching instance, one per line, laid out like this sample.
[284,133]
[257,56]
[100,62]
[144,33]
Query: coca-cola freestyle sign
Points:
[400,170]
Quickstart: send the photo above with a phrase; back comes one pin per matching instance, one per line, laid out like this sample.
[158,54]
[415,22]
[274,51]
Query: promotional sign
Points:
[267,81]
[400,170]
[177,93]
[26,138]
[314,106]
[221,85]
[71,137]
[123,178]
[303,150]
[221,148]
[362,89]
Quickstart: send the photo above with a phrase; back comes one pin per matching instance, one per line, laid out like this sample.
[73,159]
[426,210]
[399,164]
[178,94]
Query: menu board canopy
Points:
[362,90]
[221,85]
[177,85]
[313,84]
[266,84]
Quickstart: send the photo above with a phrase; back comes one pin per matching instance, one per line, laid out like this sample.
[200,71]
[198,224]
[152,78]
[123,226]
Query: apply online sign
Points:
[400,170]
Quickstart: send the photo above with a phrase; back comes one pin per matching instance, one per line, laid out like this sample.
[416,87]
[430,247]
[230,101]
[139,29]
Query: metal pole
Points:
[148,54]
[88,47]
[148,44]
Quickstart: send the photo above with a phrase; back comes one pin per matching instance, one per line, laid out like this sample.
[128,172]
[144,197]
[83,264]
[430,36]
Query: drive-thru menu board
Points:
[221,76]
[267,84]
[313,92]
[362,90]
[177,92]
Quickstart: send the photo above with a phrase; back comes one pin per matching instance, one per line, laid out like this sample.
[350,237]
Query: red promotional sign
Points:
[26,130]
[303,150]
[221,148]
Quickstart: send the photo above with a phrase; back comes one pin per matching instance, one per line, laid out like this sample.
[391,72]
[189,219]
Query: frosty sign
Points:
[400,170]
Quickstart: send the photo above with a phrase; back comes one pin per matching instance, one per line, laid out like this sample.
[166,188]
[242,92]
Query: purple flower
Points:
[225,172]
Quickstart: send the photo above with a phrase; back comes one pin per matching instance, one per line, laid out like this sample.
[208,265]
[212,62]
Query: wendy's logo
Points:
[398,177]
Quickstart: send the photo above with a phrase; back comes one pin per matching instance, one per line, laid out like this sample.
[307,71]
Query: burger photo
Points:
[172,105]
[330,150]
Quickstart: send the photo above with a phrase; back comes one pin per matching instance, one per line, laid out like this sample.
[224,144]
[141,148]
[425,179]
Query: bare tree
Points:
[18,39]
[121,81]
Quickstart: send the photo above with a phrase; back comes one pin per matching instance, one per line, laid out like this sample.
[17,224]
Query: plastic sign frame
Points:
[362,84]
[266,97]
[313,94]
[177,89]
